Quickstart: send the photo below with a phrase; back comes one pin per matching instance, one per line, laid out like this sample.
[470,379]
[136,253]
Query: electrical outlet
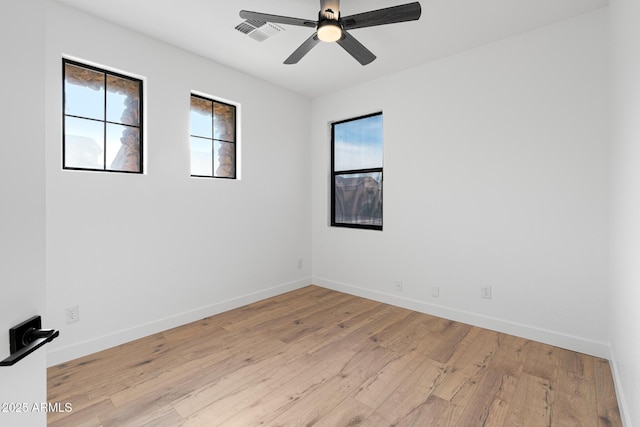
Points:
[398,285]
[72,314]
[435,292]
[486,292]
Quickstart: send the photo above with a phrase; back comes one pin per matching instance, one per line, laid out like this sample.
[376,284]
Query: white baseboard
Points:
[622,401]
[555,338]
[93,345]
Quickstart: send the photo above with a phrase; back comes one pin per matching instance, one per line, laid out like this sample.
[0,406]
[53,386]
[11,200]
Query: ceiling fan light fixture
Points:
[329,31]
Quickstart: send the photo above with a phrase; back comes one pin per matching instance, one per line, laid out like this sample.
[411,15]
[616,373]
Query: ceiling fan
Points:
[332,27]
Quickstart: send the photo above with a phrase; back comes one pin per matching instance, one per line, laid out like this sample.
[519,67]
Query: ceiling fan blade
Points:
[356,49]
[277,19]
[304,48]
[389,15]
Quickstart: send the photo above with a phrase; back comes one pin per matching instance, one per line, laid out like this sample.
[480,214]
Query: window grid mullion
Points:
[213,138]
[108,122]
[64,118]
[104,125]
[356,171]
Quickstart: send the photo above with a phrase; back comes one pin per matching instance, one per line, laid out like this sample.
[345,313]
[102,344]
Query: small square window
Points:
[102,120]
[213,138]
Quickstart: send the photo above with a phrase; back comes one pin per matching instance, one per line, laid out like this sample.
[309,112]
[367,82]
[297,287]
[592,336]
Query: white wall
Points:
[22,202]
[142,253]
[625,278]
[495,173]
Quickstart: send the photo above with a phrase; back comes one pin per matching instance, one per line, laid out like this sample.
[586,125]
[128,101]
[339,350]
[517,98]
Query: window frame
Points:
[105,122]
[335,174]
[233,143]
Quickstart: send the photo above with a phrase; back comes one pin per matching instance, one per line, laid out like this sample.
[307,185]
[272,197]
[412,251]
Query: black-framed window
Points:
[356,172]
[213,138]
[102,119]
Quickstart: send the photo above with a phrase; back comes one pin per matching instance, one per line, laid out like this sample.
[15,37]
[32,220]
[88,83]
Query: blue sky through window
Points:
[88,102]
[358,143]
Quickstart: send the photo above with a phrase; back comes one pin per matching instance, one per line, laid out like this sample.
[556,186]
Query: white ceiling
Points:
[206,27]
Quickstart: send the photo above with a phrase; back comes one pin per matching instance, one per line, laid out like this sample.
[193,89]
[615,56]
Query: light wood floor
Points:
[323,358]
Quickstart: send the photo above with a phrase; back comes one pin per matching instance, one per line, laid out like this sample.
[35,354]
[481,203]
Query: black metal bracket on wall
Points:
[26,338]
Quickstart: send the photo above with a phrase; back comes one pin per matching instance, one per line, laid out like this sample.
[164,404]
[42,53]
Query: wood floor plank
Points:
[357,329]
[86,416]
[510,354]
[575,402]
[334,336]
[487,397]
[349,413]
[434,412]
[450,338]
[465,368]
[542,361]
[310,372]
[319,402]
[227,389]
[274,308]
[379,387]
[406,400]
[150,415]
[608,411]
[362,335]
[304,325]
[532,402]
[498,409]
[320,357]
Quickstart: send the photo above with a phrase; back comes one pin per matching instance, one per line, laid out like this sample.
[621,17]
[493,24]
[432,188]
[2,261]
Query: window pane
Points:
[123,148]
[201,117]
[201,153]
[83,143]
[224,122]
[224,159]
[358,144]
[123,101]
[84,92]
[358,198]
[103,119]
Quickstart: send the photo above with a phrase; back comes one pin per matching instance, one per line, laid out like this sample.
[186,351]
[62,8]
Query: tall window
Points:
[102,120]
[213,138]
[356,172]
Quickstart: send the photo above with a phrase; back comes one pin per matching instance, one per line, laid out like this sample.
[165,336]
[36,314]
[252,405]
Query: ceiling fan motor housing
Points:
[329,9]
